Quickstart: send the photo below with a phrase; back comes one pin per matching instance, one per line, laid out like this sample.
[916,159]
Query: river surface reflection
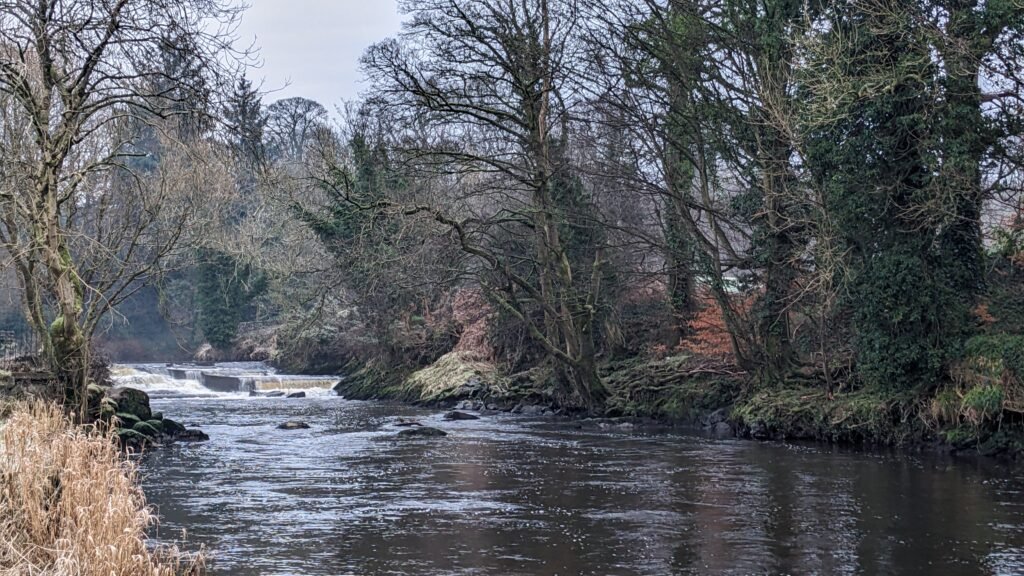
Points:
[507,496]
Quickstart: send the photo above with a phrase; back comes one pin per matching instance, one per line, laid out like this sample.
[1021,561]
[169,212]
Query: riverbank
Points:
[72,503]
[525,495]
[694,391]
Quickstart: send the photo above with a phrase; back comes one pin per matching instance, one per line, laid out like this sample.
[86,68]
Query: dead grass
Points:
[70,503]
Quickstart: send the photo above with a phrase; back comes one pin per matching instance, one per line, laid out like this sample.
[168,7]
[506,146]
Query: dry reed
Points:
[70,503]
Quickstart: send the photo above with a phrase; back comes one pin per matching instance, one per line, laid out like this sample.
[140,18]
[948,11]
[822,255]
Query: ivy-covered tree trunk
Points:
[679,178]
[569,311]
[875,158]
[773,166]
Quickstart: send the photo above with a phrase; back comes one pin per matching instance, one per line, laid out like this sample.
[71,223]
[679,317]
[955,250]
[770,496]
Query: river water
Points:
[508,495]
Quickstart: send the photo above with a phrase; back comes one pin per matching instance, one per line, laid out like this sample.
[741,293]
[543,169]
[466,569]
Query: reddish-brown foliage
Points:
[472,313]
[982,315]
[709,335]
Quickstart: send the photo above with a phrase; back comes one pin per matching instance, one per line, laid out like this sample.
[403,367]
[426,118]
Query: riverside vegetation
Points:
[70,502]
[791,219]
[781,218]
[802,216]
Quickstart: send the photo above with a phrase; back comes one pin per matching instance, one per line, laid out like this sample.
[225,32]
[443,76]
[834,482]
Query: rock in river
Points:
[172,428]
[147,429]
[192,435]
[131,401]
[403,423]
[293,426]
[297,395]
[530,410]
[126,420]
[456,415]
[422,432]
[132,440]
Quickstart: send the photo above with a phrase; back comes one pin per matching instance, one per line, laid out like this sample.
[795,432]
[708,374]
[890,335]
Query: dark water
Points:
[508,496]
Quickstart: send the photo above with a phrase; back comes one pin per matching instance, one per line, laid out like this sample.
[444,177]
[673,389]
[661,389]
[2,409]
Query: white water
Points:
[155,380]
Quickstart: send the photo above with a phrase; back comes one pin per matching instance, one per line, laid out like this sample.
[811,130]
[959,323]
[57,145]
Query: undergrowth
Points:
[675,388]
[861,416]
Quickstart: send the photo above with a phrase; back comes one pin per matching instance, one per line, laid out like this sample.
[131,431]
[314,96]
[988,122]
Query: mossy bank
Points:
[975,413]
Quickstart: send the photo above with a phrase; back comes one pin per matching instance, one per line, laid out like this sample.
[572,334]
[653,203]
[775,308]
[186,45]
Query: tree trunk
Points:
[69,343]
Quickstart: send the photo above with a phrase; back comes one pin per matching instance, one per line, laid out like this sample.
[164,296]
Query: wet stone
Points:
[422,432]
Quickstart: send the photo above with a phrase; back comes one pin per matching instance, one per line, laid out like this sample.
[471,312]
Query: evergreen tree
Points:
[246,123]
[227,287]
[224,295]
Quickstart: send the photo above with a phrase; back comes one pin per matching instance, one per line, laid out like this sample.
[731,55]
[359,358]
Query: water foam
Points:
[161,380]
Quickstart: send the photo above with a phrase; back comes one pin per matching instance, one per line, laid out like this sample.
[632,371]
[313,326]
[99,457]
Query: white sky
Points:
[311,48]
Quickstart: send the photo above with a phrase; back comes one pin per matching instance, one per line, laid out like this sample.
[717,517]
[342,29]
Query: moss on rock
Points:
[127,421]
[131,401]
[147,429]
[172,428]
[132,439]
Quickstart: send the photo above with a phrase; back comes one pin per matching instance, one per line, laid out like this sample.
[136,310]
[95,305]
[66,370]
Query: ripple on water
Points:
[505,496]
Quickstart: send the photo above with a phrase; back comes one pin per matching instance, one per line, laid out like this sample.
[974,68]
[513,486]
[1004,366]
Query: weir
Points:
[227,379]
[232,378]
[248,383]
[185,373]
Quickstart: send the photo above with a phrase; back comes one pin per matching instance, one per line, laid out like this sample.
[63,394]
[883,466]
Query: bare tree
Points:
[292,126]
[71,73]
[491,83]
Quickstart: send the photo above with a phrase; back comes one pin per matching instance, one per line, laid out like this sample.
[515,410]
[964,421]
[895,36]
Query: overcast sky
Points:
[311,48]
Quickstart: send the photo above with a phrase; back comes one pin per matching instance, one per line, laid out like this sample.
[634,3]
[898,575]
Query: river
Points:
[510,495]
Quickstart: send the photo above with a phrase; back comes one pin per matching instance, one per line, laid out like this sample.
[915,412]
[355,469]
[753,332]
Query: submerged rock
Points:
[715,418]
[293,426]
[192,435]
[274,394]
[297,395]
[759,431]
[456,415]
[722,430]
[422,432]
[407,423]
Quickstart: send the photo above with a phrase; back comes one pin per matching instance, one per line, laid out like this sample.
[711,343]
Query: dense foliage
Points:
[816,199]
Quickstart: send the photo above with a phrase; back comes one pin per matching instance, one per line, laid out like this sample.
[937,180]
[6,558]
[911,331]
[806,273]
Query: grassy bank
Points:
[688,389]
[678,388]
[70,503]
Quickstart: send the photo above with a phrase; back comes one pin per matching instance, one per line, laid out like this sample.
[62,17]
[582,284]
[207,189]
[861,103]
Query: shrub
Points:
[983,404]
[996,354]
